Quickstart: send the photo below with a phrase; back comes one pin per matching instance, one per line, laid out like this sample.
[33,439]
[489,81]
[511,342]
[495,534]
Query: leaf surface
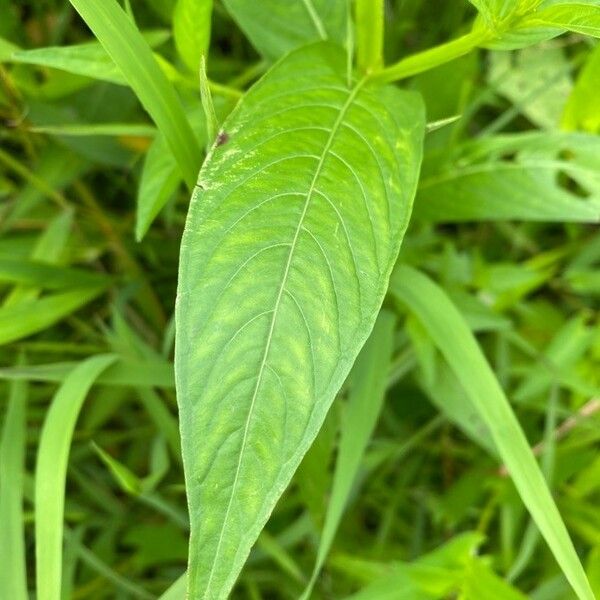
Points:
[551,177]
[291,235]
[276,27]
[191,29]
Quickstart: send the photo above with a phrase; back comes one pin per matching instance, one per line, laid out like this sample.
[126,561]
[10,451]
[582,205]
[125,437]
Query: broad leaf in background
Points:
[582,111]
[451,334]
[530,176]
[536,80]
[291,235]
[191,29]
[276,27]
[582,16]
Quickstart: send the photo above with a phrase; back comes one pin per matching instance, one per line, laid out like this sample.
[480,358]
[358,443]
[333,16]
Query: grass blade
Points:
[453,337]
[51,472]
[32,316]
[126,46]
[13,578]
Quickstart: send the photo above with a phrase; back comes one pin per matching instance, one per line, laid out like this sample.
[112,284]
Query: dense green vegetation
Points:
[380,378]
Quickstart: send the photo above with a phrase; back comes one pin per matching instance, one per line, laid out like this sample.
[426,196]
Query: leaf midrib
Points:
[326,150]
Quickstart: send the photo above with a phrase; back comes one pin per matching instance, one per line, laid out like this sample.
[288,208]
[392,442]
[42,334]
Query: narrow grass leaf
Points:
[124,372]
[13,576]
[88,59]
[451,334]
[368,380]
[47,276]
[130,52]
[32,316]
[51,472]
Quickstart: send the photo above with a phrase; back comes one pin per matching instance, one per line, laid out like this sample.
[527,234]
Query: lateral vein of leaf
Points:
[263,364]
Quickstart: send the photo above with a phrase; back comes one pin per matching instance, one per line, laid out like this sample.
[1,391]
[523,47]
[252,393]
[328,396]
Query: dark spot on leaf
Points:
[222,138]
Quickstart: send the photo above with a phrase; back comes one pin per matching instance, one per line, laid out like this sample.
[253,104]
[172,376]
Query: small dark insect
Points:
[222,138]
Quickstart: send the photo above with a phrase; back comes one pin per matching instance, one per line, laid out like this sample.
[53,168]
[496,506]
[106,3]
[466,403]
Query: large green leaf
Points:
[276,27]
[292,232]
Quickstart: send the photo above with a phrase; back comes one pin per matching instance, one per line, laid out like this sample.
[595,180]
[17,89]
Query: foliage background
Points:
[430,504]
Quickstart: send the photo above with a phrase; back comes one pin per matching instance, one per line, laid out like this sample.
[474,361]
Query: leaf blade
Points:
[280,244]
[51,471]
[126,46]
[454,339]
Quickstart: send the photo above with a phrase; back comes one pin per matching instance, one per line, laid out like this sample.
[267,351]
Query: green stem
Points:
[369,35]
[428,59]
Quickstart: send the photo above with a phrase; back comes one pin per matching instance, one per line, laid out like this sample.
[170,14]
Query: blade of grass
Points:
[126,46]
[13,577]
[368,382]
[51,472]
[453,337]
[125,372]
[32,316]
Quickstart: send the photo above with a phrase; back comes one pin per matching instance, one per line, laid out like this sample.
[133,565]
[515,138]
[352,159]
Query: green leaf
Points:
[31,316]
[454,339]
[150,373]
[581,17]
[536,80]
[582,111]
[528,176]
[130,52]
[292,232]
[47,276]
[276,27]
[89,59]
[191,29]
[13,577]
[368,381]
[51,472]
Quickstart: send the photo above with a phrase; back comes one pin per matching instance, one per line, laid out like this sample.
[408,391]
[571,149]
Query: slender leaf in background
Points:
[124,372]
[191,29]
[528,176]
[13,576]
[89,59]
[130,52]
[48,276]
[33,316]
[276,271]
[51,472]
[582,111]
[93,129]
[368,380]
[49,248]
[456,342]
[276,27]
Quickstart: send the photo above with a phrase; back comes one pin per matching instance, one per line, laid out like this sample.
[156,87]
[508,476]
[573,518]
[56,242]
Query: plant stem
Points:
[369,35]
[428,59]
